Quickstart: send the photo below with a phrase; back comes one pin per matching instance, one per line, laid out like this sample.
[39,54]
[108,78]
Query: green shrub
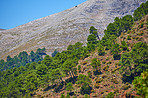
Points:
[141,25]
[79,68]
[128,37]
[110,95]
[62,96]
[69,86]
[68,96]
[86,96]
[85,89]
[141,85]
[89,73]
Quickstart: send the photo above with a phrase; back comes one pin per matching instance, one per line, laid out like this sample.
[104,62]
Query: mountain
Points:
[59,30]
[1,29]
[114,67]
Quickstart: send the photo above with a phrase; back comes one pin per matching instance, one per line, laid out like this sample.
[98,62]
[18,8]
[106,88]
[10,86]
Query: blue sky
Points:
[17,12]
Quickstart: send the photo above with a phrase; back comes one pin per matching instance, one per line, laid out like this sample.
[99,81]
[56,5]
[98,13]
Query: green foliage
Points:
[134,62]
[89,73]
[47,61]
[79,68]
[19,85]
[141,84]
[62,96]
[85,89]
[115,51]
[22,59]
[141,25]
[93,31]
[127,22]
[101,51]
[141,11]
[110,95]
[76,46]
[91,47]
[41,69]
[86,96]
[69,86]
[120,25]
[68,96]
[56,75]
[69,66]
[95,63]
[54,53]
[21,75]
[124,46]
[83,79]
[92,39]
[128,37]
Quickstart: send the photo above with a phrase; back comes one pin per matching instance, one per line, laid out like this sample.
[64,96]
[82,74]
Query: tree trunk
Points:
[72,74]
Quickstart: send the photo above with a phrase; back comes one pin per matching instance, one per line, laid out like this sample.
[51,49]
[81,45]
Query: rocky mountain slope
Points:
[59,30]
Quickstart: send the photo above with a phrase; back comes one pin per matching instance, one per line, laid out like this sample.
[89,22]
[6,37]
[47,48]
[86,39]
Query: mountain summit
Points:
[59,30]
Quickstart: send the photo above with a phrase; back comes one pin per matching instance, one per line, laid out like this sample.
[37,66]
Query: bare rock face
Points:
[59,30]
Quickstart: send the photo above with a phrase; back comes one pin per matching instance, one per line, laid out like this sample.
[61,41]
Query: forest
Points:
[22,75]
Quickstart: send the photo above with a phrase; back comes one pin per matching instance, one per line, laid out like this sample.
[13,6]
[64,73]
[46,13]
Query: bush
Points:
[68,96]
[117,56]
[141,85]
[101,51]
[54,53]
[128,37]
[85,89]
[95,63]
[62,96]
[86,96]
[69,86]
[124,46]
[79,68]
[141,25]
[89,73]
[110,95]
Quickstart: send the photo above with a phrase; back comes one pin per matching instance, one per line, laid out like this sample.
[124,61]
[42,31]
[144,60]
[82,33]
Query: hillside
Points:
[109,79]
[114,67]
[62,29]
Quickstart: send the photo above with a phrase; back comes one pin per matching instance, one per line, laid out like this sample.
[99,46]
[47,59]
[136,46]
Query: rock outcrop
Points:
[59,30]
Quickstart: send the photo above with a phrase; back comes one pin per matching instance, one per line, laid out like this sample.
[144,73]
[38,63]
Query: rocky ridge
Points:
[59,30]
